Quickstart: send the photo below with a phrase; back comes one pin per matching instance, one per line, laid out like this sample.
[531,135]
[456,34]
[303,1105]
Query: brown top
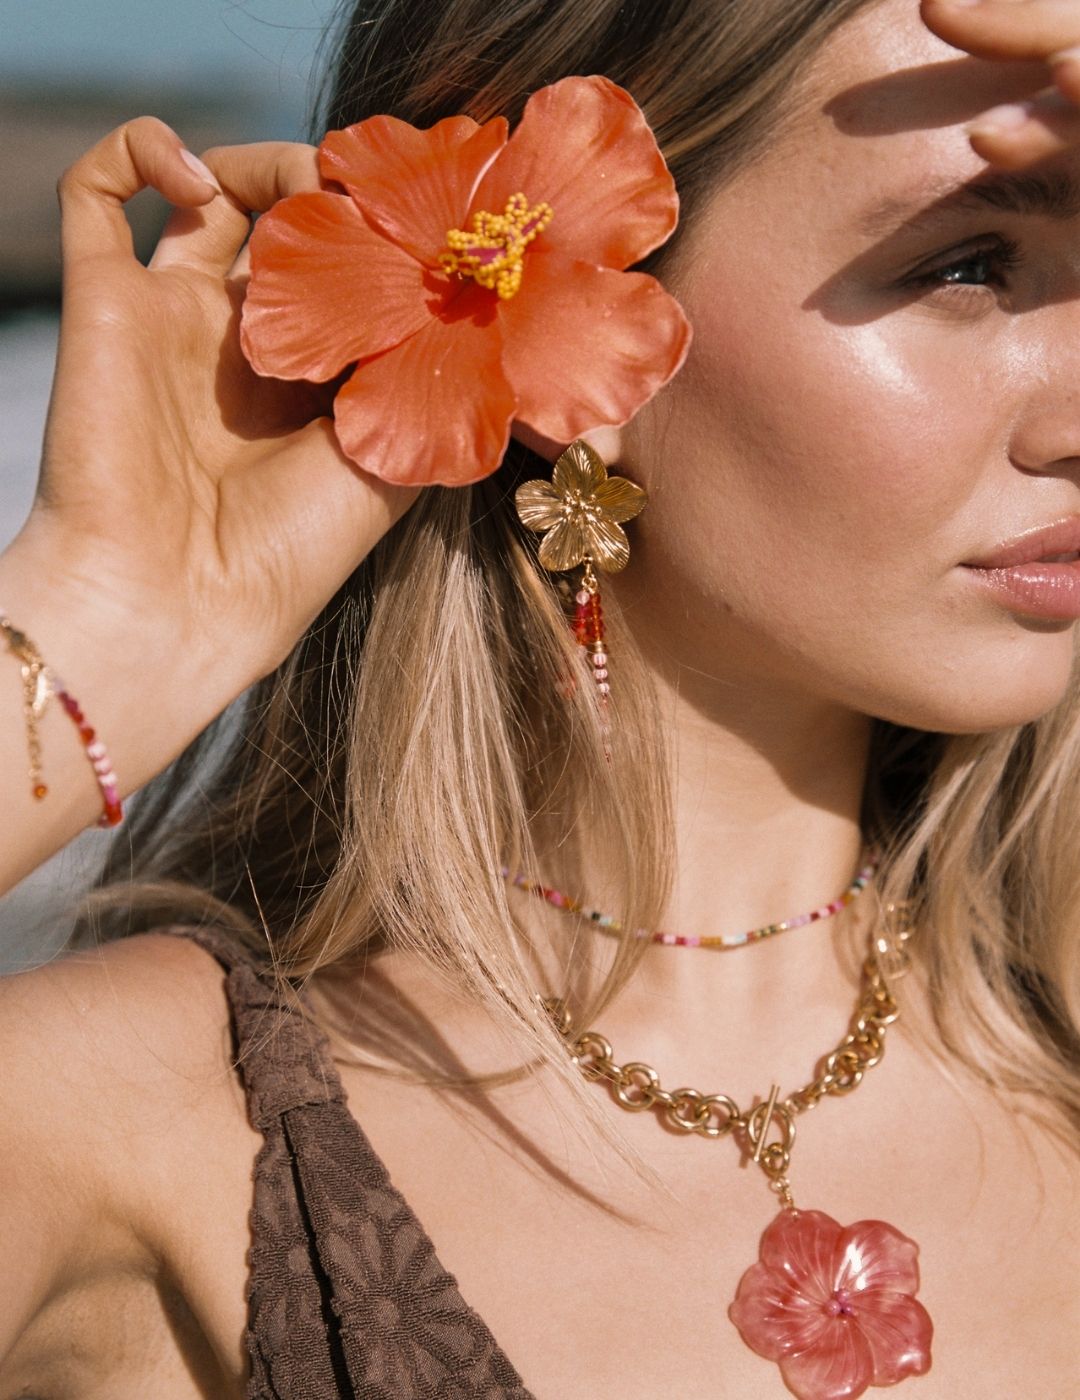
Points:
[346,1297]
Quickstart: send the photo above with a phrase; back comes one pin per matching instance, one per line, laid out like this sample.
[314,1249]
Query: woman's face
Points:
[849,428]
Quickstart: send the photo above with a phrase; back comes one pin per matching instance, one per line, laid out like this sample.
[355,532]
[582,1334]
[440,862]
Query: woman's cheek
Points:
[849,426]
[909,419]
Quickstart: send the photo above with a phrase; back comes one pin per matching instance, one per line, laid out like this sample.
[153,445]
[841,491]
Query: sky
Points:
[265,44]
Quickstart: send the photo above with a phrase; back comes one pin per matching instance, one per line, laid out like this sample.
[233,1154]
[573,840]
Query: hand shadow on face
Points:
[930,97]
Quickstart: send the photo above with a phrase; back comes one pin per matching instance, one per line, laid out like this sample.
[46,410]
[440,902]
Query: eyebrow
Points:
[1056,195]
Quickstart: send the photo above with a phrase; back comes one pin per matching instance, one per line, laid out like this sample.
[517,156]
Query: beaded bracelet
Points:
[40,684]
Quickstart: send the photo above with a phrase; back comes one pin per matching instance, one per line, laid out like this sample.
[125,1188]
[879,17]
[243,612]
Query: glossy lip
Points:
[1060,537]
[1050,591]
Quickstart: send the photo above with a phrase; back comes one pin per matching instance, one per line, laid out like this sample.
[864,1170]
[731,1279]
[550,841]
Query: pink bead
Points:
[604,688]
[582,597]
[599,658]
[601,673]
[96,749]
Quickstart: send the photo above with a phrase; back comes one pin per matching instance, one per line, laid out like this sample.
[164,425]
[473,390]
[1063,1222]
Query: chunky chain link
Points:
[636,1086]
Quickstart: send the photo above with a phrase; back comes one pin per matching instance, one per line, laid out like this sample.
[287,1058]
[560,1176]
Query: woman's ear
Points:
[606,441]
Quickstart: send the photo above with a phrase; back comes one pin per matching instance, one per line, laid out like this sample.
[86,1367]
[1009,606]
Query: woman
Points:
[810,654]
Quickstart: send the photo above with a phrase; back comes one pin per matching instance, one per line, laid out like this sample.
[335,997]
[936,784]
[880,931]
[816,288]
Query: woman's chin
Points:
[1019,689]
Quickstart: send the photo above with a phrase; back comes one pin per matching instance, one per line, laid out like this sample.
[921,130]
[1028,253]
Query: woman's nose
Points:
[1046,425]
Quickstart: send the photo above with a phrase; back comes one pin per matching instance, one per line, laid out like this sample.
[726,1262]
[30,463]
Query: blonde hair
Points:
[419,735]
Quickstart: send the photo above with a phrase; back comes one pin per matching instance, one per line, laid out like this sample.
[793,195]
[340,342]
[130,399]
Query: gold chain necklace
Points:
[813,1275]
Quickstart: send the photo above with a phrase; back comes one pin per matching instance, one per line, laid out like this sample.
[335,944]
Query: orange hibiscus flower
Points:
[474,279]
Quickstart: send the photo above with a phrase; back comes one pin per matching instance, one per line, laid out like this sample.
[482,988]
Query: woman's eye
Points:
[982,267]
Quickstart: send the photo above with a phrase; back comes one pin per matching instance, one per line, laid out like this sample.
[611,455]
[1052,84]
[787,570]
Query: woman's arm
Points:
[192,519]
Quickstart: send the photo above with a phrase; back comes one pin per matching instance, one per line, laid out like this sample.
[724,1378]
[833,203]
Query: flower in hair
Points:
[473,278]
[834,1306]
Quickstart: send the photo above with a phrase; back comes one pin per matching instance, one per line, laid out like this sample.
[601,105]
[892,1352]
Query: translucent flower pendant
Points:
[834,1305]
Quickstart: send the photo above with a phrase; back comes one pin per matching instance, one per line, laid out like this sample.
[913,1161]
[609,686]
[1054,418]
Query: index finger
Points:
[259,173]
[253,177]
[94,189]
[1016,29]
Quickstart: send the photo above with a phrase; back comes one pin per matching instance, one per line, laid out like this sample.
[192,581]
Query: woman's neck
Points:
[767,795]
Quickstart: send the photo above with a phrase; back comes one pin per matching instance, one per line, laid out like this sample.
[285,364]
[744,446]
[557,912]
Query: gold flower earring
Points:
[580,513]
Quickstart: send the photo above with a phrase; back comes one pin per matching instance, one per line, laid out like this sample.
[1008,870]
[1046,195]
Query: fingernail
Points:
[203,171]
[963,2]
[1008,117]
[1065,56]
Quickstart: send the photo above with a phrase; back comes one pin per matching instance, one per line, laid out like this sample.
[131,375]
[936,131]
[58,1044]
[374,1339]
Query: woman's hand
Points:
[191,519]
[1033,30]
[180,491]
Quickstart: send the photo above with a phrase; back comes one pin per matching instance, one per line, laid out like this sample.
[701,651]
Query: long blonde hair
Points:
[365,794]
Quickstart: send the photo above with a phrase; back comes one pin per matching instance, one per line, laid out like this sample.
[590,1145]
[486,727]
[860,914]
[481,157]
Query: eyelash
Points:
[1004,254]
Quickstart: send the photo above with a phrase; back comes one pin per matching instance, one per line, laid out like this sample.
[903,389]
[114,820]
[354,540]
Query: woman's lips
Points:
[1041,590]
[1038,544]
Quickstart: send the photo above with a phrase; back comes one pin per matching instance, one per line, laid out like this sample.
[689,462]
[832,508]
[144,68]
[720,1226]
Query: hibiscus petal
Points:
[538,504]
[898,1330]
[802,1247]
[620,499]
[413,184]
[579,468]
[325,289]
[608,545]
[839,1367]
[584,147]
[873,1254]
[563,547]
[586,346]
[774,1317]
[436,409]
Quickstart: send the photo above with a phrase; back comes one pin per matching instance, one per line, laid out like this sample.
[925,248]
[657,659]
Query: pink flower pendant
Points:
[834,1305]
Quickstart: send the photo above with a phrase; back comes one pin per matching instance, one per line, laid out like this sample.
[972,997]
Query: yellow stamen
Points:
[492,251]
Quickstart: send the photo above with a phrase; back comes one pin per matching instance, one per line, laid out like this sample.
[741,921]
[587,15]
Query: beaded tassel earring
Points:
[580,514]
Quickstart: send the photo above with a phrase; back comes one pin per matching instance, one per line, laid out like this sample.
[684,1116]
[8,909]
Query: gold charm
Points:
[580,513]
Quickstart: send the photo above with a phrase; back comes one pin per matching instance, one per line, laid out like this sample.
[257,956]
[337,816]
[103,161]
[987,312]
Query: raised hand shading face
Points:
[884,384]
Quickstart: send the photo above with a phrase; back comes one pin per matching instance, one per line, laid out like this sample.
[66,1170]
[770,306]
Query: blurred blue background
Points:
[70,70]
[264,44]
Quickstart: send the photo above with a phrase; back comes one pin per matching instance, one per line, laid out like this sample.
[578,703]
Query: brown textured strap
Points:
[405,1328]
[292,1339]
[346,1295]
[283,1059]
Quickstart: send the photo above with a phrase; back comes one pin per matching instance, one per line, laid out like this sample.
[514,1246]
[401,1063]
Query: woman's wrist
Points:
[144,695]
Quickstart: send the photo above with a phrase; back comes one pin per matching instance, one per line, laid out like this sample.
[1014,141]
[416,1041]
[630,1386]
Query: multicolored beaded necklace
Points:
[609,924]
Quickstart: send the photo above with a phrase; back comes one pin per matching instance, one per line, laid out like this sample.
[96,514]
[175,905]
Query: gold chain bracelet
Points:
[40,684]
[636,1086]
[37,691]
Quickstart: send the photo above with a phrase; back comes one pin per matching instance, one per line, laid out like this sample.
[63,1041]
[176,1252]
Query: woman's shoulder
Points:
[117,1056]
[113,1025]
[118,1088]
[132,1037]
